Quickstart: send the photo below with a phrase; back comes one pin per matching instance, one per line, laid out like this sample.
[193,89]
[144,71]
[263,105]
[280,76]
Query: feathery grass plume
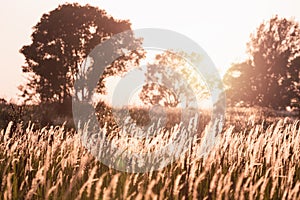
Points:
[260,161]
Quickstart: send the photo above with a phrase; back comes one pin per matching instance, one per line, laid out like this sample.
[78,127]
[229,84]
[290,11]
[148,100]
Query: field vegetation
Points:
[257,158]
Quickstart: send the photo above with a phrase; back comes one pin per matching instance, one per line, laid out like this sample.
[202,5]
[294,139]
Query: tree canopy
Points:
[61,40]
[270,78]
[171,80]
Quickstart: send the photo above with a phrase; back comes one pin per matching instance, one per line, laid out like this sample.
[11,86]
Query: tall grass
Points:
[258,162]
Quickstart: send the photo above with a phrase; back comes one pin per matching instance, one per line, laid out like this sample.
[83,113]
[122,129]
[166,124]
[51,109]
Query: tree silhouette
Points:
[61,41]
[270,77]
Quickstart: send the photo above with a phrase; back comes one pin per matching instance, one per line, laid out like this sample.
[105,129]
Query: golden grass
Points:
[258,162]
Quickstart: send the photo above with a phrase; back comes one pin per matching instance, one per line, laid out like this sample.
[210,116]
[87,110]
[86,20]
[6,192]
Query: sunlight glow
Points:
[222,28]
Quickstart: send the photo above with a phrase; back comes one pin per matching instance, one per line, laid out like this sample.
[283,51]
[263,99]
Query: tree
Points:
[170,80]
[60,42]
[295,77]
[268,78]
[240,78]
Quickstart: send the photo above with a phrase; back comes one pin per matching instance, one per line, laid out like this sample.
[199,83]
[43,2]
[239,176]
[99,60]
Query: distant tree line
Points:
[64,37]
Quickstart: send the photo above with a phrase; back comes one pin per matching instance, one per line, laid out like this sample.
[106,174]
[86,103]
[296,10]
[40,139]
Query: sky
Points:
[221,28]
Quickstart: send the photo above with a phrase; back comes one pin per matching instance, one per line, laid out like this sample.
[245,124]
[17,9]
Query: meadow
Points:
[258,157]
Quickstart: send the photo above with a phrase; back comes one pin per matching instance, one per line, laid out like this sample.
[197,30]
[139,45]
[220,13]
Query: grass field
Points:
[258,157]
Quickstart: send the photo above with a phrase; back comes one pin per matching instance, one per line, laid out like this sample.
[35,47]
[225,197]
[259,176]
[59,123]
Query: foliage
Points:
[60,42]
[41,115]
[171,80]
[271,77]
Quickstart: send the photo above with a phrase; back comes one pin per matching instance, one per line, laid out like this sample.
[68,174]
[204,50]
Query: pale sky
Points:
[221,28]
